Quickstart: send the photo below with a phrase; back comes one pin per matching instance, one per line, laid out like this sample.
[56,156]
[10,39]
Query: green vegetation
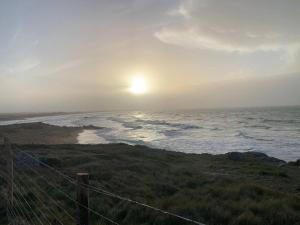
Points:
[235,188]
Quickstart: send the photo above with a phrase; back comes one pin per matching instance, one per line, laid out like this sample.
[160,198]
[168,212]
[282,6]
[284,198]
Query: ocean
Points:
[274,131]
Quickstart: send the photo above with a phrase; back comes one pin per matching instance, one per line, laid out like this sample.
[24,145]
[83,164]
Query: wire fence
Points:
[40,194]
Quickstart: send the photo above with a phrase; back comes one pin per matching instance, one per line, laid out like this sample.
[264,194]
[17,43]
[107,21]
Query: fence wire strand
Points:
[96,189]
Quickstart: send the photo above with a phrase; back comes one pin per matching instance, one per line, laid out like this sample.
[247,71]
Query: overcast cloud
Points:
[236,25]
[79,55]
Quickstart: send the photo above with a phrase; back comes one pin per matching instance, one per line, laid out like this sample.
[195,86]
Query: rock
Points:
[263,157]
[235,156]
[296,163]
[249,156]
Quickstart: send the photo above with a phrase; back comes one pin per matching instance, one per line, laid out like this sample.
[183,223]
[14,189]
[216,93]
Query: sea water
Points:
[274,131]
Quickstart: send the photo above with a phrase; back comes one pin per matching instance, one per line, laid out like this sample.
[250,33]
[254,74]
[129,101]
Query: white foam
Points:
[272,131]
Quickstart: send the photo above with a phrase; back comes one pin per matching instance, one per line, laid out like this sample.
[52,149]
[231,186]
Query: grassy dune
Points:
[224,189]
[21,116]
[40,133]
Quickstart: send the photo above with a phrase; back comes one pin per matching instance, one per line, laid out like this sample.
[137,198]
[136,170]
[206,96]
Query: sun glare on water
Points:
[138,85]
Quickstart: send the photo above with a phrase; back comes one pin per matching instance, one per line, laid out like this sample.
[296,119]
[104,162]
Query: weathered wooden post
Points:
[8,163]
[10,170]
[82,199]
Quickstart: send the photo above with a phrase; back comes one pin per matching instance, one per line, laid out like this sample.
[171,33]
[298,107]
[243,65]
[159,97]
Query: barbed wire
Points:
[50,212]
[22,209]
[96,189]
[38,188]
[71,198]
[29,206]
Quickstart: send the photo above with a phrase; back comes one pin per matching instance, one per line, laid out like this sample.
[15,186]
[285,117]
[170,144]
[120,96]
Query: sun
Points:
[138,85]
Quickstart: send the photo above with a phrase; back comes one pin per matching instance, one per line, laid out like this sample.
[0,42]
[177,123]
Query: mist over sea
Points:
[274,131]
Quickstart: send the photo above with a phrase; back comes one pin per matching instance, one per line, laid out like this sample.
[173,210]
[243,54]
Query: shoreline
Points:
[43,134]
[23,116]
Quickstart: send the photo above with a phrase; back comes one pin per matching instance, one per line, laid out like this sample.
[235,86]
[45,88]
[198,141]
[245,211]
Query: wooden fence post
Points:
[8,175]
[10,170]
[82,199]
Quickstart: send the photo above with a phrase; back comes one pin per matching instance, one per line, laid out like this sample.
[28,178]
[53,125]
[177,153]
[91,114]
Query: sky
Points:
[81,55]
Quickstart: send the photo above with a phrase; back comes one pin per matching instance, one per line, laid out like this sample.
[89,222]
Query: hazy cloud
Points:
[236,25]
[82,55]
[64,66]
[21,66]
